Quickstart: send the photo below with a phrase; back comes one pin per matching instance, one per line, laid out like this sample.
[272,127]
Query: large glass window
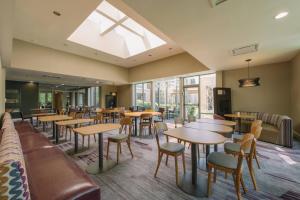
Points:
[45,99]
[167,96]
[207,83]
[143,95]
[198,95]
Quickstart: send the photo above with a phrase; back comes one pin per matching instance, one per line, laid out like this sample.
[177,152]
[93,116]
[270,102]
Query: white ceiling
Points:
[209,34]
[35,22]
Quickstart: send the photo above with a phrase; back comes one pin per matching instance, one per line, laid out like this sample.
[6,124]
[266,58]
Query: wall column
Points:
[2,89]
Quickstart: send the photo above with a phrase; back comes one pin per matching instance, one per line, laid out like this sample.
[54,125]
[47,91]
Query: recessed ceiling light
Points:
[65,44]
[62,84]
[150,55]
[281,15]
[30,81]
[170,48]
[56,13]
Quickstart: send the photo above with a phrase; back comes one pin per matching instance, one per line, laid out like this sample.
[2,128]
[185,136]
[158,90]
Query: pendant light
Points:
[249,82]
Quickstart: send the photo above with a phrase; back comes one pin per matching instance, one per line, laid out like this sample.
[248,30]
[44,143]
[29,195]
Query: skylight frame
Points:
[148,39]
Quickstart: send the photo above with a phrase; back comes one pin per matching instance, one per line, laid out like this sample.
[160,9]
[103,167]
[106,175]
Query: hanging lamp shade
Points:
[249,82]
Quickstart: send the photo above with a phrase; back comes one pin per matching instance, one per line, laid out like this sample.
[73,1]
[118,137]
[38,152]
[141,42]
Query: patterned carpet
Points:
[278,178]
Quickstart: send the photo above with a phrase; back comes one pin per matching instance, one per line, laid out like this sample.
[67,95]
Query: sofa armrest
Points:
[286,132]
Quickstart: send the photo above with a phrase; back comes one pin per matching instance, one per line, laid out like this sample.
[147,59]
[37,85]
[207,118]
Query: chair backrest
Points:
[124,122]
[146,116]
[79,115]
[246,142]
[99,117]
[159,127]
[161,110]
[256,131]
[72,114]
[148,110]
[178,120]
[254,124]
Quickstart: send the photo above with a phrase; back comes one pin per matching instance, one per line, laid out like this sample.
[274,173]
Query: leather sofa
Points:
[51,174]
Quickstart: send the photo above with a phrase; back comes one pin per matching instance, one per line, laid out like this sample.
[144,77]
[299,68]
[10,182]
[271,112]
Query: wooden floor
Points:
[279,177]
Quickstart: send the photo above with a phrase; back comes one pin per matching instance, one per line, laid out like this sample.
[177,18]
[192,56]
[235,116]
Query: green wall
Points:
[28,98]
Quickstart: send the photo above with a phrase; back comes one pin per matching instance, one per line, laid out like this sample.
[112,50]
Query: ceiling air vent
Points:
[245,49]
[215,3]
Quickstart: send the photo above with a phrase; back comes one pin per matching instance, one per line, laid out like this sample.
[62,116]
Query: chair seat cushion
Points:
[230,147]
[222,159]
[118,137]
[237,137]
[172,147]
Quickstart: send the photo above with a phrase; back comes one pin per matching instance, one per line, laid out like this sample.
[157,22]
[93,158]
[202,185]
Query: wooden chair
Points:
[146,121]
[98,119]
[125,123]
[168,148]
[256,131]
[106,116]
[233,148]
[229,164]
[73,115]
[162,111]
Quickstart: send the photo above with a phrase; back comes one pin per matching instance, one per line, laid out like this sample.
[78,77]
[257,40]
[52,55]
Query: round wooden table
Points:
[239,117]
[192,183]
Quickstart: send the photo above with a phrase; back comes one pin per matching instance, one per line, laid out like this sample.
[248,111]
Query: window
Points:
[167,96]
[143,95]
[93,97]
[109,30]
[193,80]
[45,99]
[207,83]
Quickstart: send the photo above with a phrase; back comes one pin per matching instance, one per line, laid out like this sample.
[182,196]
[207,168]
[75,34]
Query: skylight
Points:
[109,30]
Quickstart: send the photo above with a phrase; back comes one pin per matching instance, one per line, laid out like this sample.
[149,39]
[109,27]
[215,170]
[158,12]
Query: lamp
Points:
[249,82]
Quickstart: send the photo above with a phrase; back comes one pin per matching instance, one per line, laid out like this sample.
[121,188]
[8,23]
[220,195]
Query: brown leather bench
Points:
[51,173]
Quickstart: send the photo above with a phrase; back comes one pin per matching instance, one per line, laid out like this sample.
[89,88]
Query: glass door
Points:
[191,102]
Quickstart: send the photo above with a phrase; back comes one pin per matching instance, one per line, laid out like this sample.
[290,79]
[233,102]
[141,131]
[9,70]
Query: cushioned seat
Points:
[222,159]
[230,147]
[172,147]
[237,137]
[270,133]
[118,137]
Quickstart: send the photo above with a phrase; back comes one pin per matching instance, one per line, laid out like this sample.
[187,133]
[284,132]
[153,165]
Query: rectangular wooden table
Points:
[37,115]
[74,122]
[137,115]
[192,183]
[239,118]
[101,165]
[53,119]
[224,130]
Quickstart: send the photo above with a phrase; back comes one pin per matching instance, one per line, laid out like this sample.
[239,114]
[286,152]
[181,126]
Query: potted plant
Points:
[191,114]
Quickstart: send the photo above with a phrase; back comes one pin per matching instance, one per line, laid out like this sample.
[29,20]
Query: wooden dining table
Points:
[71,122]
[217,121]
[137,115]
[101,165]
[224,130]
[53,119]
[239,118]
[37,115]
[192,183]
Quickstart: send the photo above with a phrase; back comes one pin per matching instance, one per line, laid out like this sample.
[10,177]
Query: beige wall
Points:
[175,65]
[295,92]
[106,90]
[33,57]
[2,88]
[272,96]
[124,95]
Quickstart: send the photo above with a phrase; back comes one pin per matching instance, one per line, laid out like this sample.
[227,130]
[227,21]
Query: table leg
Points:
[53,130]
[135,126]
[191,183]
[113,116]
[216,147]
[100,165]
[240,125]
[207,152]
[56,134]
[76,142]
